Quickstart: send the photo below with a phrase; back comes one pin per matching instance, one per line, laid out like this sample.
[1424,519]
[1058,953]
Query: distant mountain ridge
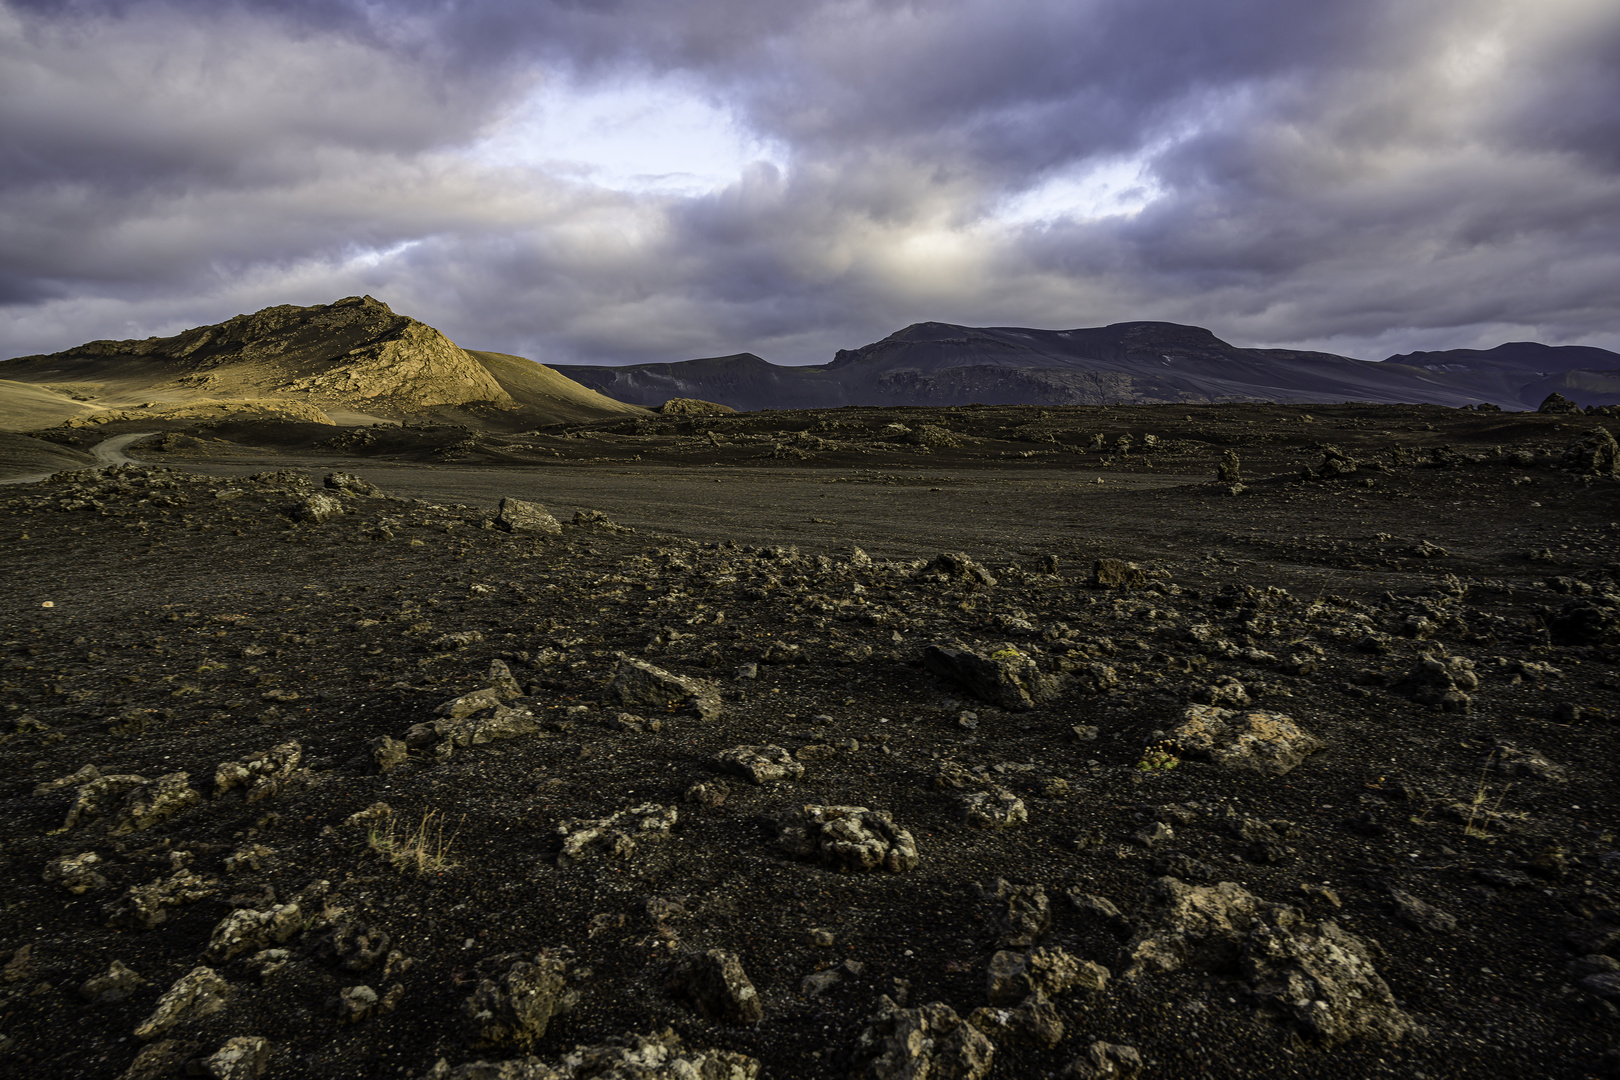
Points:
[1133,362]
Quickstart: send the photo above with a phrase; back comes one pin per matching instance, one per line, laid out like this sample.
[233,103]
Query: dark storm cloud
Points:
[1363,176]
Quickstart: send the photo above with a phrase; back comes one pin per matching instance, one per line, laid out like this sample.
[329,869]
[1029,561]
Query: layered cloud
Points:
[626,181]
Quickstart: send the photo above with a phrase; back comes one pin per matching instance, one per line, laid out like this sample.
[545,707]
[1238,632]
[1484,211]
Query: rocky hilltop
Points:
[1132,363]
[347,361]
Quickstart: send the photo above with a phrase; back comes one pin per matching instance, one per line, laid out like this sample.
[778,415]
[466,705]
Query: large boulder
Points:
[638,683]
[1258,739]
[1597,454]
[515,515]
[1316,977]
[516,1007]
[1004,677]
[1558,403]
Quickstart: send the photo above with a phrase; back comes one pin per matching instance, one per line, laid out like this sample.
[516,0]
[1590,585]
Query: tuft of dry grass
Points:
[1479,817]
[421,849]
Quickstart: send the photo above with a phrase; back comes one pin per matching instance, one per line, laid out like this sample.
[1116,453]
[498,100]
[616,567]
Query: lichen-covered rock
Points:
[1597,454]
[1034,1021]
[1182,925]
[1440,682]
[1026,911]
[516,1007]
[1013,976]
[262,773]
[953,566]
[1259,739]
[162,1059]
[616,836]
[996,808]
[355,1004]
[115,984]
[1313,975]
[247,930]
[1322,980]
[760,764]
[76,873]
[144,906]
[198,993]
[93,793]
[515,515]
[1105,1061]
[1004,677]
[718,987]
[153,803]
[350,484]
[638,683]
[316,509]
[1512,760]
[353,946]
[388,754]
[245,1057]
[847,838]
[630,1057]
[926,1043]
[1119,574]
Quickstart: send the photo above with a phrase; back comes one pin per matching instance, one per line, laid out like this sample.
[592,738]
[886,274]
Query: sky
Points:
[624,181]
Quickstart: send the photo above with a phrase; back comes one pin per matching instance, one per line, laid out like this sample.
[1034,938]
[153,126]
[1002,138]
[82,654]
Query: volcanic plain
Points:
[1176,741]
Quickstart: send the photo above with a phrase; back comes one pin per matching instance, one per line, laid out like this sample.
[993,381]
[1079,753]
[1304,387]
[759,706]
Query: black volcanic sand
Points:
[192,623]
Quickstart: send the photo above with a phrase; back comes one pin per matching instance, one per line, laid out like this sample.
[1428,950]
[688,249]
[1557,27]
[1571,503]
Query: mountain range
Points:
[1133,362]
[356,361]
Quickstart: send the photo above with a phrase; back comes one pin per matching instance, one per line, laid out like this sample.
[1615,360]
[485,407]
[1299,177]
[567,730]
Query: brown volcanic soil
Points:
[193,624]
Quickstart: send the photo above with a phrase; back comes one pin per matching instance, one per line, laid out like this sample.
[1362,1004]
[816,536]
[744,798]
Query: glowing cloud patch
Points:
[1090,192]
[653,135]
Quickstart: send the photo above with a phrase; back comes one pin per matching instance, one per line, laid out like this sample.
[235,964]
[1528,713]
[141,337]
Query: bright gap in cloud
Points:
[656,135]
[1122,187]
